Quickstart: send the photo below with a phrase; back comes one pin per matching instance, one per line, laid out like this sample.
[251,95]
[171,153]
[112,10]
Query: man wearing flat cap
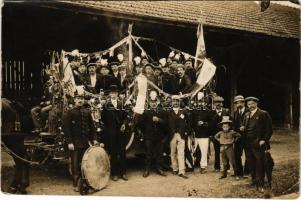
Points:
[240,112]
[257,128]
[220,111]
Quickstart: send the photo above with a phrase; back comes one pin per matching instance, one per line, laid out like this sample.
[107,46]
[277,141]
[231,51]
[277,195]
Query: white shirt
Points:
[176,110]
[115,74]
[114,102]
[219,112]
[241,111]
[252,112]
[93,80]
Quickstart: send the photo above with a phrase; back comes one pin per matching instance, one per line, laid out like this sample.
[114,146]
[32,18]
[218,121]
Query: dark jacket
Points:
[94,89]
[78,127]
[238,119]
[204,130]
[217,119]
[169,83]
[104,82]
[178,123]
[153,130]
[123,85]
[261,128]
[191,73]
[183,84]
[113,120]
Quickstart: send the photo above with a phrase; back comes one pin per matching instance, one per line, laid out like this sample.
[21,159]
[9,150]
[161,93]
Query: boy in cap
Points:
[226,138]
[219,112]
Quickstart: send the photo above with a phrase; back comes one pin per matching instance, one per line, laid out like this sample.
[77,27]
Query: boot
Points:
[224,175]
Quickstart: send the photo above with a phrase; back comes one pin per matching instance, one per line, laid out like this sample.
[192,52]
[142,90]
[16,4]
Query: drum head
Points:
[96,167]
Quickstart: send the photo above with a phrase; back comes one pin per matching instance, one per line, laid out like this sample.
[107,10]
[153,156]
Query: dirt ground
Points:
[285,151]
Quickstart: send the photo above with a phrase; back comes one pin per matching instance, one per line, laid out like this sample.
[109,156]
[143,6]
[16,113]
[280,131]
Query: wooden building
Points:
[257,53]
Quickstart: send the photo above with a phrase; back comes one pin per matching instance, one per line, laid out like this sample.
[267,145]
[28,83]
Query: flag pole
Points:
[130,42]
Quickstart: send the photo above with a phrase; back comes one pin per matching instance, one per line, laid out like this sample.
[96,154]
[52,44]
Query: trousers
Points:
[203,144]
[177,152]
[227,156]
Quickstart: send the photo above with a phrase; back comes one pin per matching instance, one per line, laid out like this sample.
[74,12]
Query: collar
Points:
[254,111]
[220,110]
[176,110]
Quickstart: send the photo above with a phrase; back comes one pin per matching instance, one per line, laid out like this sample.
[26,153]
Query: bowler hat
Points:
[251,99]
[238,98]
[226,119]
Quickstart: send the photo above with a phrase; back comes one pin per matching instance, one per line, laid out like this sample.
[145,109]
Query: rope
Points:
[10,152]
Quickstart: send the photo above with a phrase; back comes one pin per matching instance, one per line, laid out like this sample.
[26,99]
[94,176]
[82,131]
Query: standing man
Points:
[201,122]
[184,81]
[239,145]
[80,133]
[217,118]
[168,80]
[152,124]
[257,127]
[190,71]
[92,78]
[113,117]
[178,131]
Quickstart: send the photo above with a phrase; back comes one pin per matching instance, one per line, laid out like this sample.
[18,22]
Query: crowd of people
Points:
[175,137]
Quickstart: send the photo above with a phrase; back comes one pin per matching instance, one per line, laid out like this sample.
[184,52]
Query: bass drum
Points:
[96,167]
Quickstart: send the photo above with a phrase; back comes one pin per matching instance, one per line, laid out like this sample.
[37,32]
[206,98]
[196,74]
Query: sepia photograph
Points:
[132,99]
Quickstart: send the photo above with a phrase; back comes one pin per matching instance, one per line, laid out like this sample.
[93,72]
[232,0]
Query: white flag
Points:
[200,49]
[141,97]
[206,74]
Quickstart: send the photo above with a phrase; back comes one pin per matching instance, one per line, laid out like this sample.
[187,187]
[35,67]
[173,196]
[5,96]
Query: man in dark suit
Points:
[113,117]
[190,71]
[168,81]
[92,79]
[183,81]
[257,127]
[178,131]
[124,79]
[105,80]
[217,118]
[152,123]
[80,133]
[239,145]
[80,75]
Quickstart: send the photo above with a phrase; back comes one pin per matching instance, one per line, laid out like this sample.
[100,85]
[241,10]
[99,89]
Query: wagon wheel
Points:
[37,154]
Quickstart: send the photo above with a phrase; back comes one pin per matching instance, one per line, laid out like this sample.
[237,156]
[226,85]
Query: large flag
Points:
[207,72]
[200,49]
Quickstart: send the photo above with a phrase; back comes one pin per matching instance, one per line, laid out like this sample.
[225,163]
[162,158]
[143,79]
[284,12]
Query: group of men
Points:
[165,129]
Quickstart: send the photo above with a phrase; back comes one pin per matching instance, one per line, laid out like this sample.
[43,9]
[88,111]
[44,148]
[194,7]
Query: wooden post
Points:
[130,42]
